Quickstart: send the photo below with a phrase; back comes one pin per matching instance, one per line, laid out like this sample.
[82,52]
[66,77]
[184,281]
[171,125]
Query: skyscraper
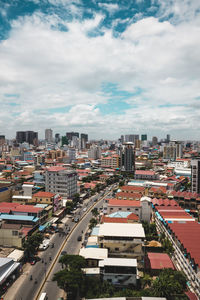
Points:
[154,140]
[57,138]
[30,137]
[128,157]
[195,175]
[84,140]
[143,137]
[70,135]
[49,135]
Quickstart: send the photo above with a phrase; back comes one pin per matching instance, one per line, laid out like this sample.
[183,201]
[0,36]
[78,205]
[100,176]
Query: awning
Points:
[53,220]
[43,227]
[8,271]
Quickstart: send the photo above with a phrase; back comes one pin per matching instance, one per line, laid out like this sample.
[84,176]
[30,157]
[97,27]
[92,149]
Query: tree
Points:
[69,207]
[168,247]
[95,212]
[169,284]
[93,223]
[146,281]
[71,279]
[31,245]
[73,261]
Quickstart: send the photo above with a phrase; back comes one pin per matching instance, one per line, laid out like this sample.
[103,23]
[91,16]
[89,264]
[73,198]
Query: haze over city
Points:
[102,67]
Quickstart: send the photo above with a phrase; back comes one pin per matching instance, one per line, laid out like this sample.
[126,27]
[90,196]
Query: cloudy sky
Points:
[104,68]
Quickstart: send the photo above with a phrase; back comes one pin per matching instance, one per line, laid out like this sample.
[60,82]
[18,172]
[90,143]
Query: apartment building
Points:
[141,208]
[195,176]
[119,271]
[61,181]
[183,232]
[122,240]
[112,162]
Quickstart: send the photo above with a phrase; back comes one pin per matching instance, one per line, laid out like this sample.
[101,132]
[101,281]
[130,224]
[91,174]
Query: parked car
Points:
[76,220]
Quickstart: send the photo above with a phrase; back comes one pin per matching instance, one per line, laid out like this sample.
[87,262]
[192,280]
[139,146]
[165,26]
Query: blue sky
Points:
[102,67]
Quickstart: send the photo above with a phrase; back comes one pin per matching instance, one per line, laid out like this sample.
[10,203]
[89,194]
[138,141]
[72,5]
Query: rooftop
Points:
[121,229]
[121,262]
[120,203]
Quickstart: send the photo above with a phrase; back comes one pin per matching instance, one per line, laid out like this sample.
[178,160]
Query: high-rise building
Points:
[94,152]
[57,138]
[49,135]
[154,141]
[173,150]
[30,137]
[168,138]
[59,180]
[20,137]
[84,140]
[127,157]
[2,140]
[143,137]
[195,175]
[70,135]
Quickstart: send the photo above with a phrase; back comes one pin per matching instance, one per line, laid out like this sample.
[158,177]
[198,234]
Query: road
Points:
[48,265]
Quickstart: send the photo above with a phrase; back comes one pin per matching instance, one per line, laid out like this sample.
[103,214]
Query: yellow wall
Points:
[7,239]
[6,196]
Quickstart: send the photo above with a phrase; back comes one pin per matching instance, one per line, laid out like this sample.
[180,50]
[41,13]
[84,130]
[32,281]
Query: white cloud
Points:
[110,7]
[53,69]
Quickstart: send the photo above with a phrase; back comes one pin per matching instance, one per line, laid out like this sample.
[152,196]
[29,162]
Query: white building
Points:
[49,135]
[61,181]
[94,152]
[119,271]
[122,239]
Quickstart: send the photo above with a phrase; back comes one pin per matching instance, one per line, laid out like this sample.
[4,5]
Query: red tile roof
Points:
[129,195]
[164,202]
[106,219]
[44,194]
[132,188]
[55,169]
[120,203]
[159,261]
[188,234]
[145,172]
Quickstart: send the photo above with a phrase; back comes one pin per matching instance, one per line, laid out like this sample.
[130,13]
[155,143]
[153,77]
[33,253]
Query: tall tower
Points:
[128,157]
[49,135]
[195,175]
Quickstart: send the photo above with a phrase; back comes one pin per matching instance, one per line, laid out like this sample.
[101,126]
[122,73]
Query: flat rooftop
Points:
[121,262]
[121,229]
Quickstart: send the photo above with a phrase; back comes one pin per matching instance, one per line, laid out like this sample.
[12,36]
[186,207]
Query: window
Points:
[15,232]
[116,249]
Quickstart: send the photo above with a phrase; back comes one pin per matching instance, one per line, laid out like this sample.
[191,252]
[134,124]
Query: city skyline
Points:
[102,68]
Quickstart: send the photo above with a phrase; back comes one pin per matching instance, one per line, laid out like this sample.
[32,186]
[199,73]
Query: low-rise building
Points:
[146,175]
[119,271]
[122,240]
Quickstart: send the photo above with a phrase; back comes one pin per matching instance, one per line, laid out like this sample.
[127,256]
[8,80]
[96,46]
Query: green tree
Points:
[64,140]
[72,261]
[146,281]
[31,245]
[93,223]
[71,279]
[69,207]
[95,212]
[169,284]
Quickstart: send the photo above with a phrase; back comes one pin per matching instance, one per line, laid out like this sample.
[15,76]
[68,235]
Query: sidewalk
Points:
[12,290]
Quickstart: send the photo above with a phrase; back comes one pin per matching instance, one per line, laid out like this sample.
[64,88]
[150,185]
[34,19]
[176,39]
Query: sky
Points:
[105,68]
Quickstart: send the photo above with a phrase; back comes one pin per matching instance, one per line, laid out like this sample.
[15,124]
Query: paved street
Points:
[26,289]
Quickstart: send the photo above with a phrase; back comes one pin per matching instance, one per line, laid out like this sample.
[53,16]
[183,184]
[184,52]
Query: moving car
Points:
[79,238]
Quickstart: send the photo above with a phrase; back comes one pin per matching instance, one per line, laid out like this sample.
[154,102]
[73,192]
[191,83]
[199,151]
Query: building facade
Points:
[61,181]
[195,175]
